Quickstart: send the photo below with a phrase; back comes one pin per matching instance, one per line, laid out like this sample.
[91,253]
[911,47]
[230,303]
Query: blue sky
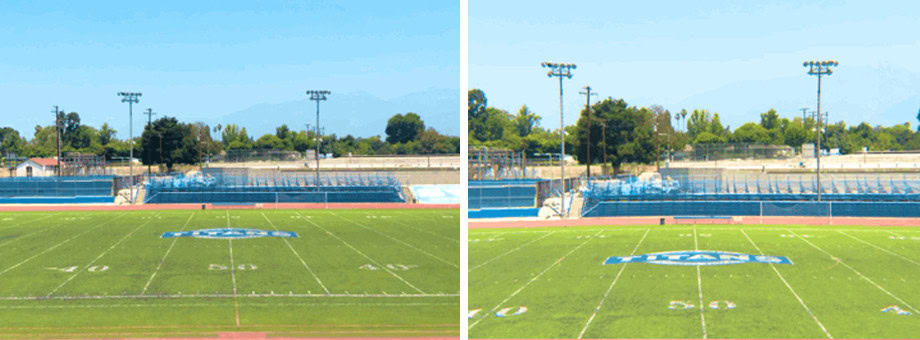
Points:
[737,58]
[202,60]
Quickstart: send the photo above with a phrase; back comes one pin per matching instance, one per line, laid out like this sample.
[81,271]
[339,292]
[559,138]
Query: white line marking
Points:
[167,254]
[797,297]
[699,284]
[610,288]
[365,256]
[423,230]
[516,292]
[32,233]
[236,304]
[510,251]
[857,273]
[98,257]
[177,305]
[58,245]
[882,249]
[397,240]
[30,221]
[298,256]
[218,295]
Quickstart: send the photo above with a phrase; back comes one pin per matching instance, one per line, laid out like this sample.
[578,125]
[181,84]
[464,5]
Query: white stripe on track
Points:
[362,225]
[857,272]
[400,278]
[532,280]
[167,254]
[298,256]
[610,288]
[511,251]
[797,297]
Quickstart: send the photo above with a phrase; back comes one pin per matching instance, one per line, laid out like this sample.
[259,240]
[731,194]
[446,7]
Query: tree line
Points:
[630,134]
[168,141]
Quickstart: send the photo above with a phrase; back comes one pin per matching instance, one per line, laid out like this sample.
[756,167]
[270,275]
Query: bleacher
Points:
[247,188]
[66,189]
[503,197]
[755,194]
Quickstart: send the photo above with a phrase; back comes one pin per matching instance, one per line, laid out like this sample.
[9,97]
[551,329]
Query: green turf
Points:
[109,274]
[841,279]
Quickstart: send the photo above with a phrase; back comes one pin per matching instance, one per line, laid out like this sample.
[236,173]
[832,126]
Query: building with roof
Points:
[37,167]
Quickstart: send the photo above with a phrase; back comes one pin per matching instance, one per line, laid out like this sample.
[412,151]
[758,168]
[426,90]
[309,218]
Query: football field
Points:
[757,282]
[346,273]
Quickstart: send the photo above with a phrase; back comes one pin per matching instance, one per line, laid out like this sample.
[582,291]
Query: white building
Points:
[37,167]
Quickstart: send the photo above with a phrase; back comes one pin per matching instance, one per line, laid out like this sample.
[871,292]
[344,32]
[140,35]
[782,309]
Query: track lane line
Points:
[797,297]
[610,288]
[532,280]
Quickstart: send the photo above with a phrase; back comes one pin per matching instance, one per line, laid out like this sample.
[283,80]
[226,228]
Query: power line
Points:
[588,95]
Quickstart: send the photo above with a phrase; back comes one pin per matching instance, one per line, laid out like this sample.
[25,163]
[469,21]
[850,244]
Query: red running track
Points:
[647,220]
[208,206]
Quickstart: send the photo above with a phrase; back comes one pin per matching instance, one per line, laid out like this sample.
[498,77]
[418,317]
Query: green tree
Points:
[750,133]
[525,121]
[769,120]
[404,128]
[106,134]
[166,141]
[629,135]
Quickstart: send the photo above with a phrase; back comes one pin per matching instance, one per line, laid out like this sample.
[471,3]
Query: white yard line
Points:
[857,272]
[177,305]
[699,284]
[32,233]
[397,240]
[610,288]
[880,248]
[797,297]
[298,256]
[426,231]
[532,280]
[236,304]
[98,257]
[365,256]
[221,296]
[58,245]
[167,254]
[29,221]
[510,251]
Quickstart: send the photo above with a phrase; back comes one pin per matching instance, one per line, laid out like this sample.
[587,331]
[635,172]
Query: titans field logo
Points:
[229,233]
[697,258]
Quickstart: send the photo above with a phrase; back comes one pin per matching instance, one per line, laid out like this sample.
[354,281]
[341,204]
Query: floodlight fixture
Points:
[560,70]
[819,68]
[131,98]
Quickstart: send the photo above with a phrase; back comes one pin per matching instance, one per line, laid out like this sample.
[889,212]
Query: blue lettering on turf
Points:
[229,233]
[697,258]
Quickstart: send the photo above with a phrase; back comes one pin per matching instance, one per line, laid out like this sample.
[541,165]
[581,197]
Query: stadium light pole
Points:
[588,95]
[317,96]
[819,68]
[150,115]
[561,71]
[130,98]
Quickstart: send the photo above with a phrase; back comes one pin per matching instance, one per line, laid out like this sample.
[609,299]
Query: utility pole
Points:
[57,136]
[588,95]
[560,71]
[819,68]
[804,111]
[149,114]
[131,98]
[317,96]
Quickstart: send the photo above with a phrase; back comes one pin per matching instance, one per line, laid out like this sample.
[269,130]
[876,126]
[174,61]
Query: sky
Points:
[736,58]
[203,60]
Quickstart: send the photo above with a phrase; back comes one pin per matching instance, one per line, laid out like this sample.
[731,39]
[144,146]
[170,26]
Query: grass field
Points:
[844,282]
[348,273]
